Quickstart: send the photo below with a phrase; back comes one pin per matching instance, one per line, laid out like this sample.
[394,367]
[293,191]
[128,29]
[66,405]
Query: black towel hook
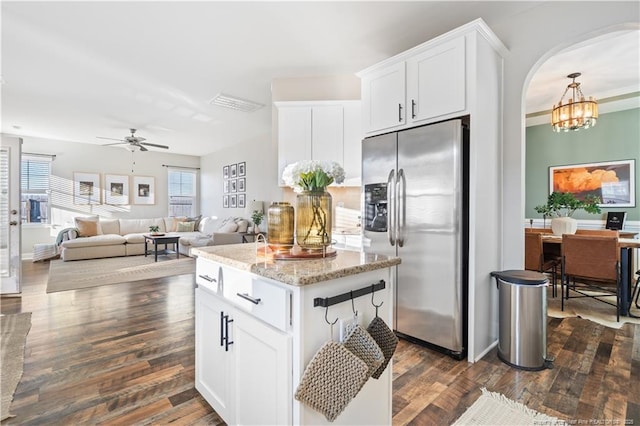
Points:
[353,306]
[372,293]
[326,312]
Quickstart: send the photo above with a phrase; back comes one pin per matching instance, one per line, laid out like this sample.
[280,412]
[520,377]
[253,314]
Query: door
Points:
[429,295]
[263,376]
[10,256]
[383,98]
[436,81]
[214,358]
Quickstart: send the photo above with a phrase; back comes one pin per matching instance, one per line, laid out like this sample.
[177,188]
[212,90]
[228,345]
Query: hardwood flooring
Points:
[124,354]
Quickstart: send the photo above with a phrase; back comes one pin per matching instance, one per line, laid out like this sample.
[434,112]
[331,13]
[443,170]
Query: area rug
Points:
[78,274]
[493,408]
[587,308]
[13,336]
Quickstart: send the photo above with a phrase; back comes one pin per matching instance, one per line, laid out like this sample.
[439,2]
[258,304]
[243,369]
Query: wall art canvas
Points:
[116,190]
[612,181]
[242,169]
[86,188]
[242,201]
[144,191]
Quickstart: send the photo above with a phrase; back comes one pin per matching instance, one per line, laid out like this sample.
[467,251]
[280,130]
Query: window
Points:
[34,182]
[182,192]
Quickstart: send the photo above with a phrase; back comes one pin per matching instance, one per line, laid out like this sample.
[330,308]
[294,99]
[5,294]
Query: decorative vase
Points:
[280,217]
[564,225]
[313,220]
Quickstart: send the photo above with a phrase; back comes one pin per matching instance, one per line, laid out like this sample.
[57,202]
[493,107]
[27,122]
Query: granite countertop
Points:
[252,258]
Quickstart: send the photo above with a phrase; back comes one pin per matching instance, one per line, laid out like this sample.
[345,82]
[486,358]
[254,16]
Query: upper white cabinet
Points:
[431,82]
[323,131]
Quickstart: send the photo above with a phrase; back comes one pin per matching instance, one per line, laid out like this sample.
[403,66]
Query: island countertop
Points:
[295,272]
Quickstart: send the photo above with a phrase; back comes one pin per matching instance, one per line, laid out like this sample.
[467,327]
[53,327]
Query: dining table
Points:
[626,266]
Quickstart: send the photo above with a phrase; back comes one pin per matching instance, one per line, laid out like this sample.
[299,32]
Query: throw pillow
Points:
[185,226]
[228,227]
[87,227]
[196,221]
[176,220]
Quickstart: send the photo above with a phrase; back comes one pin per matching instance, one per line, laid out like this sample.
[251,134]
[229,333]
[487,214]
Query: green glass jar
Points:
[280,219]
[313,220]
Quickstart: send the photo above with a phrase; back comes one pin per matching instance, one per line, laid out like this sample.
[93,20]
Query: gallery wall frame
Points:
[116,189]
[612,181]
[86,188]
[242,203]
[234,183]
[233,201]
[242,184]
[144,190]
[242,169]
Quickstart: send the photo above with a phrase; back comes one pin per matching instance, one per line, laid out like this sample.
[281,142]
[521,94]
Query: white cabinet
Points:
[427,83]
[323,131]
[383,98]
[243,365]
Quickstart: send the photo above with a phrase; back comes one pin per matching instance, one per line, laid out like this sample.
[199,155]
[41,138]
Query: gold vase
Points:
[313,220]
[280,226]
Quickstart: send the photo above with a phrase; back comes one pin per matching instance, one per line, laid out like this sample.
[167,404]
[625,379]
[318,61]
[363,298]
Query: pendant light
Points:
[577,113]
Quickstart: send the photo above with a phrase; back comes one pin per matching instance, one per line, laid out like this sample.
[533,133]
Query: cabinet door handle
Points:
[221,328]
[400,113]
[207,278]
[226,333]
[245,296]
[413,108]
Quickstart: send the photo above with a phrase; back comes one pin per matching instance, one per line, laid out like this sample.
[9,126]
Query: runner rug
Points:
[493,408]
[13,336]
[76,274]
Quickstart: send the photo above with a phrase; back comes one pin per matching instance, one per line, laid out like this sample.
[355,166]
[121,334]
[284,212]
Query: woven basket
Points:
[332,379]
[386,340]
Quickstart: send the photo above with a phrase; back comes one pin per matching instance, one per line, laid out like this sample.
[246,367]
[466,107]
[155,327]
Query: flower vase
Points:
[313,220]
[564,225]
[280,226]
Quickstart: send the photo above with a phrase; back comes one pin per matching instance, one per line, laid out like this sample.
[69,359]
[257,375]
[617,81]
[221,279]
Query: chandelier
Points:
[577,113]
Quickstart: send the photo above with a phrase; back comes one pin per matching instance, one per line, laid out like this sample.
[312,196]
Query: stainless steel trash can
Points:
[522,325]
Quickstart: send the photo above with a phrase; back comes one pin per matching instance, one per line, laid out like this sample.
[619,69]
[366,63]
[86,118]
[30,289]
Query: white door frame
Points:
[11,270]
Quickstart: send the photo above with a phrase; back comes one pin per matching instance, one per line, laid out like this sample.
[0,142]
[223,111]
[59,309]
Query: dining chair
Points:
[600,232]
[535,259]
[538,230]
[591,268]
[635,294]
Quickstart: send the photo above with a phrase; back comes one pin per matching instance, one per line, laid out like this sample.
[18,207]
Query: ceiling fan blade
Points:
[111,139]
[142,148]
[115,143]
[154,145]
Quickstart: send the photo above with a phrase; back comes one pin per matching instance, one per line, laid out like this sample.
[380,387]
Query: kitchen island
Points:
[258,326]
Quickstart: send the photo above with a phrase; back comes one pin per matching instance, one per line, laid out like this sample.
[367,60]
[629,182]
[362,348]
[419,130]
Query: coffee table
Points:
[161,239]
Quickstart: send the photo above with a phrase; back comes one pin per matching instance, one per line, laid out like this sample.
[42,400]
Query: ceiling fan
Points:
[134,142]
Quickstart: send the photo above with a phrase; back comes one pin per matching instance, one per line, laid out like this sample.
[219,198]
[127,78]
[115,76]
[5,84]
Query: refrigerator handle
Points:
[391,207]
[402,207]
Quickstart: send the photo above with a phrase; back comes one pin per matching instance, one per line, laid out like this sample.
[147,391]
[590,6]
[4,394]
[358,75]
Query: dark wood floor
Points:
[124,354]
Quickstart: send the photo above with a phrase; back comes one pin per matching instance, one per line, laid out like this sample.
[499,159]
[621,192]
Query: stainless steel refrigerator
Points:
[415,188]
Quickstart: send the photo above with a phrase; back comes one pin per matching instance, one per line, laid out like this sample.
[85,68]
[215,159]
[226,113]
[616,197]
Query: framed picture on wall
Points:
[241,184]
[86,188]
[144,190]
[241,201]
[225,186]
[233,185]
[242,169]
[225,201]
[612,181]
[116,190]
[233,171]
[233,201]
[225,172]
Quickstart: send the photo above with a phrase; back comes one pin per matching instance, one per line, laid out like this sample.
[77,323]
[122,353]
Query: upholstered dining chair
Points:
[591,268]
[535,259]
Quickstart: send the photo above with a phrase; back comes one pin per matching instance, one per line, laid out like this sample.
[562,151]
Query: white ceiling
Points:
[77,70]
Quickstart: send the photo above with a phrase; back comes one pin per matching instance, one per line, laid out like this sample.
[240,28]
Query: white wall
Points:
[79,157]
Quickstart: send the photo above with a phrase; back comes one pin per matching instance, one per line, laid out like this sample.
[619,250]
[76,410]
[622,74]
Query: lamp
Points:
[577,113]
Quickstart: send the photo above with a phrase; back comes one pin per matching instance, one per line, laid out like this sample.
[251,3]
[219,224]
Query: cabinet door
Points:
[214,364]
[294,136]
[352,143]
[263,377]
[436,81]
[383,98]
[327,133]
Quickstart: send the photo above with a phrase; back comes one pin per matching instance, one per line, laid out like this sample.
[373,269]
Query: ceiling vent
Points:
[239,104]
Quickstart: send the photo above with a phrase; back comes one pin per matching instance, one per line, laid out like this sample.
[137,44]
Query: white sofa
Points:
[125,237]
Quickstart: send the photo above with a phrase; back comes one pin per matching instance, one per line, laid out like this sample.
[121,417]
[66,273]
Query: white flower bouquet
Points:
[312,176]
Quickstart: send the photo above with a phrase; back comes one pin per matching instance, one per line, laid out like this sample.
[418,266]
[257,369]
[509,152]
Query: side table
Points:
[251,235]
[161,239]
